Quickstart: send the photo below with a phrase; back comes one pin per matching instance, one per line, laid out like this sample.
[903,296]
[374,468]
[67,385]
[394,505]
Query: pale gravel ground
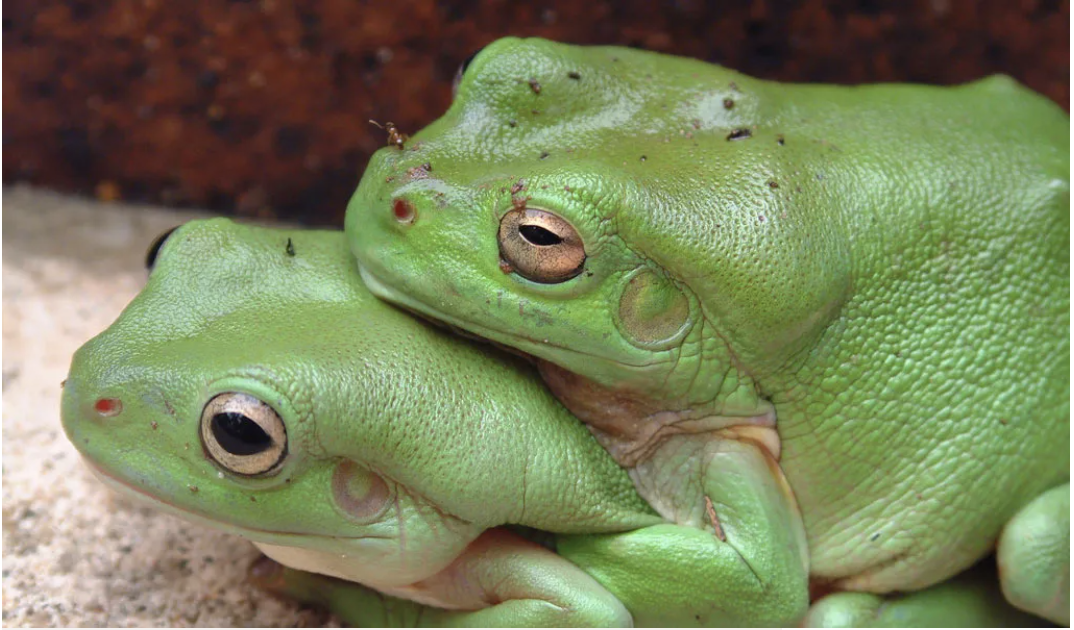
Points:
[74,553]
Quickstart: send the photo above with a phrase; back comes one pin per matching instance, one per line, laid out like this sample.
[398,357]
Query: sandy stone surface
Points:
[74,553]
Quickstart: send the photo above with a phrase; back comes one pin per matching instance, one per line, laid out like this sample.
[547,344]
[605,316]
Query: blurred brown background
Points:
[261,107]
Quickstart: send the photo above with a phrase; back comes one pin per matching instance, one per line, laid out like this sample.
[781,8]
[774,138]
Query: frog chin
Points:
[346,565]
[375,561]
[127,489]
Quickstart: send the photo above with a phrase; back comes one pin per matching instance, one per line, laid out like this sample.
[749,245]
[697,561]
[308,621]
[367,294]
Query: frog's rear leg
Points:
[1034,556]
[969,600]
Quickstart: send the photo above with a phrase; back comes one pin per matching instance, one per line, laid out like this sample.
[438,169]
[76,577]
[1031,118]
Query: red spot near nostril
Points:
[108,406]
[403,210]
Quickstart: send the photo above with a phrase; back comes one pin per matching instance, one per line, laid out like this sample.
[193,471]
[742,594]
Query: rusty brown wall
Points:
[261,107]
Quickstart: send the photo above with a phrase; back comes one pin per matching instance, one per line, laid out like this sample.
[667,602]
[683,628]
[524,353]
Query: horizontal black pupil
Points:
[239,435]
[539,236]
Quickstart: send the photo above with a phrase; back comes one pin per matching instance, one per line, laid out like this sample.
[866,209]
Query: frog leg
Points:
[499,580]
[1034,556]
[971,599]
[734,554]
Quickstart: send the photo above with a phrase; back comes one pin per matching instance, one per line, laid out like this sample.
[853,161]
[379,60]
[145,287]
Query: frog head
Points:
[255,386]
[562,206]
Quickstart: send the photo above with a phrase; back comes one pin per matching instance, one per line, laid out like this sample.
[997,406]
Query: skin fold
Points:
[403,454]
[403,450]
[408,454]
[827,325]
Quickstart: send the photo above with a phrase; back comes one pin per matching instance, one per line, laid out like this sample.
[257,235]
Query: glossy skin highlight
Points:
[398,454]
[854,300]
[390,459]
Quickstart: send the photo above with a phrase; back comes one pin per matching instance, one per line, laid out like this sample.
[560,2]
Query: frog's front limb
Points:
[735,553]
[499,580]
[1034,556]
[969,600]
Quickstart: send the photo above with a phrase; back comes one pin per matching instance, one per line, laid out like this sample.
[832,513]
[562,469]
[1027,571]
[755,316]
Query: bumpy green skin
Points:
[881,273]
[463,437]
[970,600]
[1034,557]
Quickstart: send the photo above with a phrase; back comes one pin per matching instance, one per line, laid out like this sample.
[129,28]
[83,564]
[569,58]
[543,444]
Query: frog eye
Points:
[540,246]
[154,248]
[243,434]
[462,70]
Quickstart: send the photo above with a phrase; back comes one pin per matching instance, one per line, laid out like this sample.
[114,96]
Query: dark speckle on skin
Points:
[512,123]
[643,158]
[728,103]
[773,183]
[874,537]
[290,248]
[574,75]
[534,86]
[739,134]
[544,154]
[779,140]
[193,488]
[517,187]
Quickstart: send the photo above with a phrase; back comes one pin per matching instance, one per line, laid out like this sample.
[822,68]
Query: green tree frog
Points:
[827,324]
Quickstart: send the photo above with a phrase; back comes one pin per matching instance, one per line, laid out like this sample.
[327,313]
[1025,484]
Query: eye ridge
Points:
[238,434]
[539,236]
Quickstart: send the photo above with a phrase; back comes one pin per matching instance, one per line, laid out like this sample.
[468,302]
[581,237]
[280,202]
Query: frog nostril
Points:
[404,211]
[108,407]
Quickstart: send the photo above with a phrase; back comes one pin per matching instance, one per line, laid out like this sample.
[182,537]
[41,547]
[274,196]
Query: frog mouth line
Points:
[485,334]
[254,534]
